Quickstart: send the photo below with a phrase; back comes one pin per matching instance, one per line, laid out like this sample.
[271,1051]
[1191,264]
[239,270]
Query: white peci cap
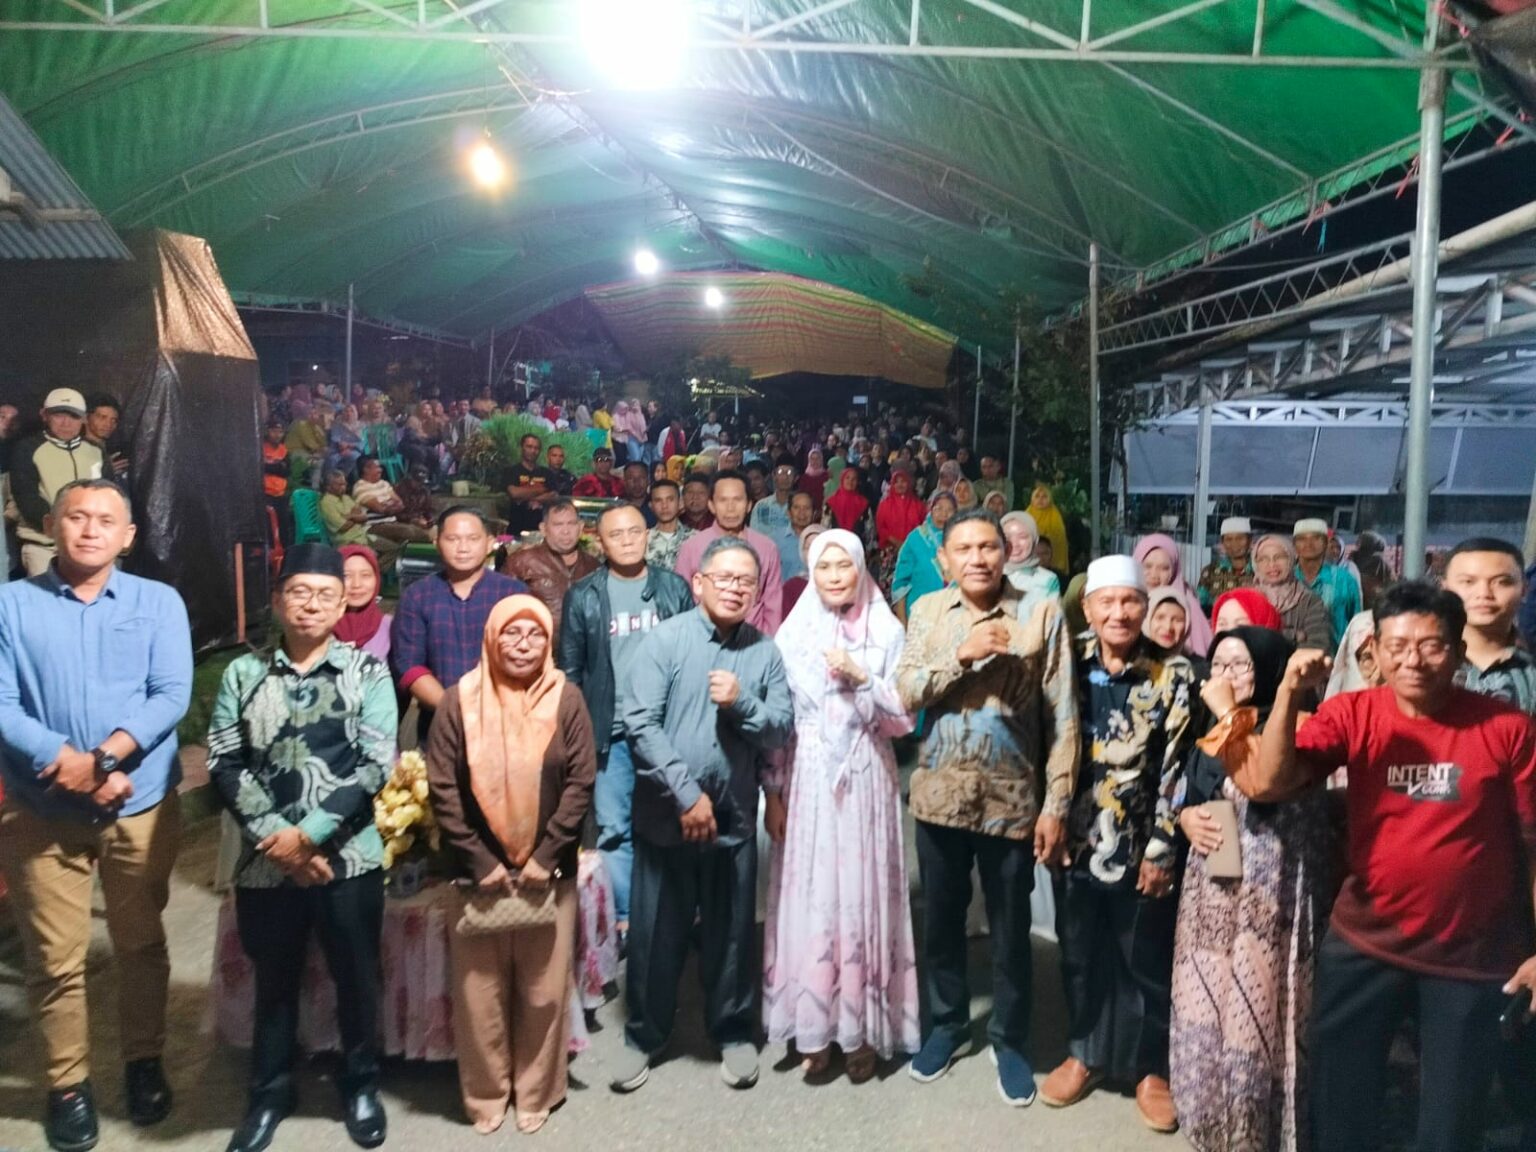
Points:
[1113,572]
[1312,526]
[1236,526]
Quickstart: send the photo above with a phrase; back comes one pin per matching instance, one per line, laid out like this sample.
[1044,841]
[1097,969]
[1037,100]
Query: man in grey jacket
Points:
[707,696]
[606,617]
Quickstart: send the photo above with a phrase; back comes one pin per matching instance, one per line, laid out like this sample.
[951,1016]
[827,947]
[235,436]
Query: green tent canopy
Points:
[935,170]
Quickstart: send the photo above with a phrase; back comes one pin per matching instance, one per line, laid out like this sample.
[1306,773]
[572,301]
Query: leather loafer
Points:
[1154,1100]
[366,1122]
[258,1128]
[71,1124]
[1069,1083]
[149,1096]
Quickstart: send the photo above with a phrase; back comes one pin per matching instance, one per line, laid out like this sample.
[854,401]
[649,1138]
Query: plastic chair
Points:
[379,440]
[308,525]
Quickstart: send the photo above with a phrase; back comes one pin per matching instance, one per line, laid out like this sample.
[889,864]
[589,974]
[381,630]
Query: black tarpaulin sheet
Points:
[161,334]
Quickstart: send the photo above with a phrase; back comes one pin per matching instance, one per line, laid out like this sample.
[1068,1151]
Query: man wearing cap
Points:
[42,464]
[1335,586]
[1115,900]
[95,674]
[301,739]
[1233,568]
[600,483]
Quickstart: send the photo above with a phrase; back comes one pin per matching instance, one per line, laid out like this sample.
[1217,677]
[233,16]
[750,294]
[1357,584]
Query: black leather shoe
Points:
[257,1129]
[71,1123]
[366,1123]
[149,1096]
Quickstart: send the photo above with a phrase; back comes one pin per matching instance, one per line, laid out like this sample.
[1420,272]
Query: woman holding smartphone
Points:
[1252,912]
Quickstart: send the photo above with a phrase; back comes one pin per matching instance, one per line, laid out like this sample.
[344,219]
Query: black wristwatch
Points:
[106,763]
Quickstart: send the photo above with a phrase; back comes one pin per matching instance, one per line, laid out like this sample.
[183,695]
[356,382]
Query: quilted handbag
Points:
[491,913]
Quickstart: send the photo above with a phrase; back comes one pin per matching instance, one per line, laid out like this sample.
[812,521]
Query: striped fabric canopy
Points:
[771,324]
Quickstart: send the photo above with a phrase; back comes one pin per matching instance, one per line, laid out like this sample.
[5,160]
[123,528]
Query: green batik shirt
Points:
[310,749]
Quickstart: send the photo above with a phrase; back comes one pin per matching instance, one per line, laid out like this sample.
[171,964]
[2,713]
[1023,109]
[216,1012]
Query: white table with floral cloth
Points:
[416,1016]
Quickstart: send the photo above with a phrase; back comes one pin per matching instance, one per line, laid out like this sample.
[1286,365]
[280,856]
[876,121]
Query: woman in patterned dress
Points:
[1245,949]
[839,964]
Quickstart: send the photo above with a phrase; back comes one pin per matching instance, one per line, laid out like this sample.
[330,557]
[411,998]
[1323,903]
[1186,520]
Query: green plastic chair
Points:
[308,525]
[379,440]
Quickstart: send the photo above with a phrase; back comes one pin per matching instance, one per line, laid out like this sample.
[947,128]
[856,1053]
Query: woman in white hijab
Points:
[839,964]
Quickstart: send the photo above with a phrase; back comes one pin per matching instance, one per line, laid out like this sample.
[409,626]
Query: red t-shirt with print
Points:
[1442,825]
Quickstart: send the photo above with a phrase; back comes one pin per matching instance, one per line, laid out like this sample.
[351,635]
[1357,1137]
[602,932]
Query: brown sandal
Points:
[815,1063]
[861,1064]
[530,1122]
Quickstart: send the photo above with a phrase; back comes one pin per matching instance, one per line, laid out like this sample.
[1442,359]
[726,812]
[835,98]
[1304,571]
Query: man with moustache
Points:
[706,698]
[729,504]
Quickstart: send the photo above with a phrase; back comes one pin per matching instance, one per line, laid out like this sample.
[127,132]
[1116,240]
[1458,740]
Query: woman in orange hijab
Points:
[511,762]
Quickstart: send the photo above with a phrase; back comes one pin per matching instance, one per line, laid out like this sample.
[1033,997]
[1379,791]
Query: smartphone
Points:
[1516,1015]
[1226,863]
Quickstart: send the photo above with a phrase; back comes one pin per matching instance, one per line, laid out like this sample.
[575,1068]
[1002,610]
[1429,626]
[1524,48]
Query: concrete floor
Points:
[684,1107]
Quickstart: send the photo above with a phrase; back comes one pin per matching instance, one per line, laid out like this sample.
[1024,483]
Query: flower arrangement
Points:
[402,812]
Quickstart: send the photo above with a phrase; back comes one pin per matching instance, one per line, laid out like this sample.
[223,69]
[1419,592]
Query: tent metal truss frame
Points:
[1472,314]
[295,306]
[424,20]
[1355,414]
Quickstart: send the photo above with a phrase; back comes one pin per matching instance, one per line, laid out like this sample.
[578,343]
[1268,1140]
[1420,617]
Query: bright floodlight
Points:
[713,297]
[487,166]
[646,263]
[636,43]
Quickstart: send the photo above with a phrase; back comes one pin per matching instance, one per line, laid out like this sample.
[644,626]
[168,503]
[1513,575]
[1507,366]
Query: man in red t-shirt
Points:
[1435,916]
[600,482]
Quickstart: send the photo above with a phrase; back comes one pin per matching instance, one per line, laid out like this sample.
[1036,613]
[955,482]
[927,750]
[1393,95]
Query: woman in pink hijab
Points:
[1158,556]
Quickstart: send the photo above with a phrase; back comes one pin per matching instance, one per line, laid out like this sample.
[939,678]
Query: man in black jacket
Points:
[605,616]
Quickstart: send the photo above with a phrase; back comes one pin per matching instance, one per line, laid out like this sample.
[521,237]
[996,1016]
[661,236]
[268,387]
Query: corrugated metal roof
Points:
[45,216]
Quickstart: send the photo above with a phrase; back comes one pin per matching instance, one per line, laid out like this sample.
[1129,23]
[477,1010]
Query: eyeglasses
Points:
[1431,648]
[300,596]
[1235,668]
[532,637]
[724,581]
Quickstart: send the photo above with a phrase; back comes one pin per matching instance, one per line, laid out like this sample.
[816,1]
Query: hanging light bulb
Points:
[714,298]
[487,166]
[646,263]
[636,43]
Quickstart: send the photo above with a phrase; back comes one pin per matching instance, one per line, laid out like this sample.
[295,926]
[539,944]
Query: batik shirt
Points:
[1219,578]
[998,728]
[1135,738]
[1511,678]
[661,549]
[307,749]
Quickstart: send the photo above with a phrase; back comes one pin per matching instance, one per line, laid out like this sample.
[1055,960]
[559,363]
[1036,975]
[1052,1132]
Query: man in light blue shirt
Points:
[1335,586]
[95,674]
[770,516]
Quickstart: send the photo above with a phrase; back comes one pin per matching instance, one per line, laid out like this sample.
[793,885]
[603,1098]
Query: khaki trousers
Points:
[48,865]
[35,558]
[511,1013]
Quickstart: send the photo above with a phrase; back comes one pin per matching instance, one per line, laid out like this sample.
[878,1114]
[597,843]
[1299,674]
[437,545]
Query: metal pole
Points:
[976,420]
[1094,447]
[490,364]
[347,373]
[1013,419]
[1426,244]
[1197,527]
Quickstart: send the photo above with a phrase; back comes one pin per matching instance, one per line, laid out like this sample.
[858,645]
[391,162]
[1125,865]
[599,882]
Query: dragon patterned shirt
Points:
[1136,734]
[307,749]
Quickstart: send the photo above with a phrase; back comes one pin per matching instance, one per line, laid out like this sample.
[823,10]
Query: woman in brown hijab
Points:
[511,762]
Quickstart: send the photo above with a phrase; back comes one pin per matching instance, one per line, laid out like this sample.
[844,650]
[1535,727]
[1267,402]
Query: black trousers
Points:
[1359,1005]
[284,511]
[1007,870]
[1117,969]
[275,923]
[669,888]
